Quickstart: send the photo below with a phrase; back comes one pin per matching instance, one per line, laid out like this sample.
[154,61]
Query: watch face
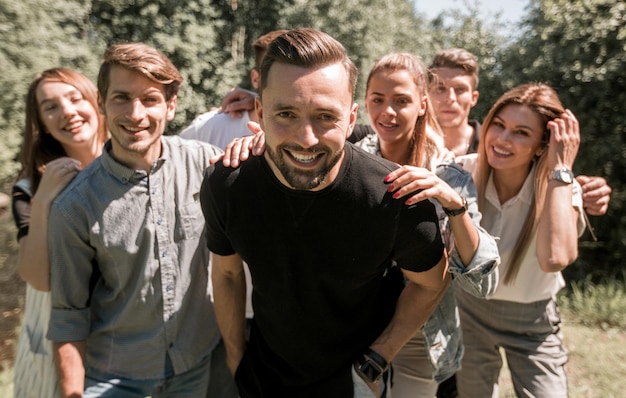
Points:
[566,176]
[563,175]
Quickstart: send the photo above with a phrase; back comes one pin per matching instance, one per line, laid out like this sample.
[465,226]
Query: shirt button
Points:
[159,221]
[164,254]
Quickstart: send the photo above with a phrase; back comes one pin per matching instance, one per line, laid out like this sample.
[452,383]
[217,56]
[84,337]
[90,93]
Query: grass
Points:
[594,329]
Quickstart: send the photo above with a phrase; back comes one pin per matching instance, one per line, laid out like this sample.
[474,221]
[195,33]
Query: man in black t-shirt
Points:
[343,274]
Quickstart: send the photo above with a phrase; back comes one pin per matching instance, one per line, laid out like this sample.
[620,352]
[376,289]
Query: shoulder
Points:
[23,185]
[362,157]
[190,147]
[197,124]
[451,169]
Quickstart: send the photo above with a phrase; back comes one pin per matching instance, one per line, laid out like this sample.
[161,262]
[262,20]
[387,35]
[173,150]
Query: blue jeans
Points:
[193,383]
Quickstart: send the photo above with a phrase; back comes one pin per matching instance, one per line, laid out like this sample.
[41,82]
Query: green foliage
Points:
[596,304]
[185,31]
[36,35]
[483,35]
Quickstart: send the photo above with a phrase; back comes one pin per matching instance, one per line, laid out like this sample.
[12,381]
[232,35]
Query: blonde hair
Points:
[543,100]
[427,136]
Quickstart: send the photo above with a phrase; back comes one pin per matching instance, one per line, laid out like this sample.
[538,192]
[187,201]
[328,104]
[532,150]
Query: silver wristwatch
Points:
[564,175]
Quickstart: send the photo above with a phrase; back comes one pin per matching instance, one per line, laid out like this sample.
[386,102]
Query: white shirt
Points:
[505,221]
[216,128]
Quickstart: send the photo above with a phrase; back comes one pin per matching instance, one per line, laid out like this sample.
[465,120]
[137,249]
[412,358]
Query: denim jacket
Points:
[442,331]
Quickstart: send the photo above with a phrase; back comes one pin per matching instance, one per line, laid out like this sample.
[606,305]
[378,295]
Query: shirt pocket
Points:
[189,220]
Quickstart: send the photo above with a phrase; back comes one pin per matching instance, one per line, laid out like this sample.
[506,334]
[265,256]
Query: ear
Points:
[258,106]
[254,78]
[540,151]
[101,108]
[171,107]
[423,106]
[475,95]
[354,112]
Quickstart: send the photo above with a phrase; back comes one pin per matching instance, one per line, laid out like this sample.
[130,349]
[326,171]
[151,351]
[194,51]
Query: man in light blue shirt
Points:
[131,311]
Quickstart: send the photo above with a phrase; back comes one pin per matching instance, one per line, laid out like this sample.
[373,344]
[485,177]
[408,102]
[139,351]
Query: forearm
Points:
[415,305]
[33,260]
[557,234]
[466,238]
[69,360]
[229,289]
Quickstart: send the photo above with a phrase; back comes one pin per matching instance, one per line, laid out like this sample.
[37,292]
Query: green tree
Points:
[187,32]
[36,35]
[362,26]
[482,35]
[579,48]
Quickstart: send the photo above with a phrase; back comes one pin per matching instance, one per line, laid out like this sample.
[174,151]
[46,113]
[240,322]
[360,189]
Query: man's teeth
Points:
[303,158]
[134,129]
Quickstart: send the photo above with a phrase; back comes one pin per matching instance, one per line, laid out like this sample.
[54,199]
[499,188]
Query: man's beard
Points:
[304,179]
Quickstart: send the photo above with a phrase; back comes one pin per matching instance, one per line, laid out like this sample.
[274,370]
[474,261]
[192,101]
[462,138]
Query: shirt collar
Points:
[525,194]
[125,174]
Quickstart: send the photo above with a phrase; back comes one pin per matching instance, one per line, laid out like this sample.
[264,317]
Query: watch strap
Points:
[372,366]
[456,212]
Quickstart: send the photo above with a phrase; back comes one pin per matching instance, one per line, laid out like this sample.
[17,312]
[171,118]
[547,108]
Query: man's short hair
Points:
[458,58]
[260,45]
[307,48]
[140,58]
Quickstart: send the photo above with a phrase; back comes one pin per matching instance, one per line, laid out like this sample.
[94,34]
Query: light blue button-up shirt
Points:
[129,264]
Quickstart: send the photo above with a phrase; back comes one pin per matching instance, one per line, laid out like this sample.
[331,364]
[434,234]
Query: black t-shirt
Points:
[322,265]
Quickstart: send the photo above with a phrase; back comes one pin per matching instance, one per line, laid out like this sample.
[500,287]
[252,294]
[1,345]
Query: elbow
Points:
[556,263]
[36,283]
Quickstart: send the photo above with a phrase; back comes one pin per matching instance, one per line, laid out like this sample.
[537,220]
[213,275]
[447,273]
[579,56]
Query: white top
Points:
[216,128]
[505,221]
[220,129]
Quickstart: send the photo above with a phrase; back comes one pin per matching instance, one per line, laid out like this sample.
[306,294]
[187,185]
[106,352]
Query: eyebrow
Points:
[517,126]
[285,107]
[67,94]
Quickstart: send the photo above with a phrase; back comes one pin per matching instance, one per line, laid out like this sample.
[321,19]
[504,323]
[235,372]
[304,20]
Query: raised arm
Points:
[238,101]
[557,233]
[33,259]
[229,289]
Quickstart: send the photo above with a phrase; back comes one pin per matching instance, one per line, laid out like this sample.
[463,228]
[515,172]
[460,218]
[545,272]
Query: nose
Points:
[69,109]
[138,110]
[389,109]
[306,134]
[505,135]
[450,95]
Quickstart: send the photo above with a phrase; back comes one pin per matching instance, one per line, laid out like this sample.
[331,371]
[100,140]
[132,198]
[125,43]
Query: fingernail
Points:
[390,188]
[386,178]
[396,195]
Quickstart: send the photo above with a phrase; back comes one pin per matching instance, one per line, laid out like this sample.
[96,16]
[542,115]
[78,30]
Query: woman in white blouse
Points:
[532,204]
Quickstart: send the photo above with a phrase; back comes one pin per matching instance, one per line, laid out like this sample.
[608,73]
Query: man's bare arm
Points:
[229,289]
[69,358]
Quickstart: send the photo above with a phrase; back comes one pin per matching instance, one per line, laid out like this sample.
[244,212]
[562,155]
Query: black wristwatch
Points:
[371,366]
[456,212]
